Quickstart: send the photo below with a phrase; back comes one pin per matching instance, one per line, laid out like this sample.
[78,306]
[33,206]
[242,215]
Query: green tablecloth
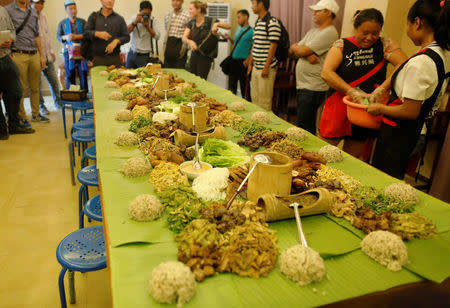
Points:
[136,248]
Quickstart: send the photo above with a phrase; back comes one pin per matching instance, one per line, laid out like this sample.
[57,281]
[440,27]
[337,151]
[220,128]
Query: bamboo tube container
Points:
[314,201]
[201,111]
[275,178]
[183,138]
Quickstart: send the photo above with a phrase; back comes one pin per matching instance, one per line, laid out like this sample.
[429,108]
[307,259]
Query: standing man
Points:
[28,56]
[262,62]
[49,71]
[175,52]
[143,28]
[107,30]
[311,51]
[70,33]
[9,83]
[243,42]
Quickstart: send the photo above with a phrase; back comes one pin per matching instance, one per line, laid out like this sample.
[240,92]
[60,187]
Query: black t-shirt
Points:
[200,33]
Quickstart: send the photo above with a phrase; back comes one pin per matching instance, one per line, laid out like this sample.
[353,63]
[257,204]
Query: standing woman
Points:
[355,66]
[197,30]
[416,87]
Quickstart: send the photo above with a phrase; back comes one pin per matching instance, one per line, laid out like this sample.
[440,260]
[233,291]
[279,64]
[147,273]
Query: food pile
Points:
[145,208]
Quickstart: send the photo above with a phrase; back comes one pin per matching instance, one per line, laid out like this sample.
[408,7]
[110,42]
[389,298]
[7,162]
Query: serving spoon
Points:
[259,159]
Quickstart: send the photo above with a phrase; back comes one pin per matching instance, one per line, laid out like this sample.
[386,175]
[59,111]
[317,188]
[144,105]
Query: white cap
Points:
[330,5]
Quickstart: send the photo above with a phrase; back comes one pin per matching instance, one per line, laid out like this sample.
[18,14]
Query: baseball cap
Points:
[69,2]
[330,5]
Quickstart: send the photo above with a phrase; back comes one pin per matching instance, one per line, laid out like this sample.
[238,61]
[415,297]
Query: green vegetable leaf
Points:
[221,153]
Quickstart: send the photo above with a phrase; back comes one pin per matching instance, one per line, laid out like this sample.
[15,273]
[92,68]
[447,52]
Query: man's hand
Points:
[313,59]
[111,46]
[226,36]
[139,19]
[193,45]
[265,72]
[375,109]
[102,35]
[248,63]
[53,57]
[68,37]
[7,43]
[43,63]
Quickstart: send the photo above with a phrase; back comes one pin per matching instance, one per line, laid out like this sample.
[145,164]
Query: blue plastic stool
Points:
[89,153]
[83,106]
[82,138]
[88,176]
[93,208]
[81,251]
[83,124]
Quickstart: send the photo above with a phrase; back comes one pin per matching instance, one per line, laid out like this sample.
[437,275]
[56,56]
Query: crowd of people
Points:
[327,69]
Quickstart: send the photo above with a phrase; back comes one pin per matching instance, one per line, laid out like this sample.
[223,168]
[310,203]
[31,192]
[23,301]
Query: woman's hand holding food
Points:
[379,95]
[357,95]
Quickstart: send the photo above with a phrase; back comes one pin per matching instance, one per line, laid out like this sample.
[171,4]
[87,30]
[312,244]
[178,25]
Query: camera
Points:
[145,18]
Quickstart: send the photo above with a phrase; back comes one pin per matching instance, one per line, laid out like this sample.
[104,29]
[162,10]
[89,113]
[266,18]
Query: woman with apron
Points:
[416,87]
[355,66]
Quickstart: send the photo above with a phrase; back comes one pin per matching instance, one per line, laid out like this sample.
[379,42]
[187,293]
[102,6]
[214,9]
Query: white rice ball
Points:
[140,111]
[103,73]
[127,139]
[331,153]
[172,282]
[124,115]
[163,117]
[404,192]
[115,96]
[296,133]
[237,106]
[261,117]
[145,208]
[134,167]
[386,248]
[302,265]
[111,84]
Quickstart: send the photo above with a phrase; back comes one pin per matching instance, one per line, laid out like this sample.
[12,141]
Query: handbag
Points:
[232,66]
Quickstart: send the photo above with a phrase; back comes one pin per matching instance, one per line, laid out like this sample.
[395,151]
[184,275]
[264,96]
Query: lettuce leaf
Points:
[221,153]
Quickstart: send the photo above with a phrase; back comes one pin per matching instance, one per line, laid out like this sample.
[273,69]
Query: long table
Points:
[135,248]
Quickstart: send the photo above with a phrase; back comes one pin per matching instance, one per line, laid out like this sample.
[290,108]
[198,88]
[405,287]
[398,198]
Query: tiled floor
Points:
[38,207]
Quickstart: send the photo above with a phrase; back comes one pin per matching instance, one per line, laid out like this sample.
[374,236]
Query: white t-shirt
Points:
[419,78]
[319,41]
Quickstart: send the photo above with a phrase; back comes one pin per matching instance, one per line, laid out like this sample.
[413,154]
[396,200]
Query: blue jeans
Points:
[52,79]
[71,74]
[307,104]
[11,90]
[135,60]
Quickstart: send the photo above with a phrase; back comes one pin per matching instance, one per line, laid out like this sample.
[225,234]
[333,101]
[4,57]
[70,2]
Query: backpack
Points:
[86,44]
[282,52]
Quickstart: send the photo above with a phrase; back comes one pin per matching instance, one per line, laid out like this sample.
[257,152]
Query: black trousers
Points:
[177,63]
[200,64]
[11,90]
[233,82]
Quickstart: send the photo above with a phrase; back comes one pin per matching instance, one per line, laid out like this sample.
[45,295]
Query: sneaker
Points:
[44,110]
[25,123]
[21,130]
[58,107]
[40,118]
